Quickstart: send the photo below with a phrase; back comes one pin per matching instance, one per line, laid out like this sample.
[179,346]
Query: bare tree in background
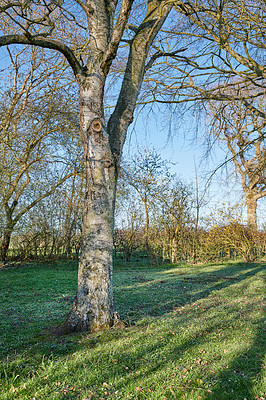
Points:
[147,173]
[222,58]
[32,129]
[243,132]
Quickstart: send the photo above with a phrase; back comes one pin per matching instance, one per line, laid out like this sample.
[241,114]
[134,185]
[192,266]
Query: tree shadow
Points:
[153,356]
[243,372]
[171,288]
[237,378]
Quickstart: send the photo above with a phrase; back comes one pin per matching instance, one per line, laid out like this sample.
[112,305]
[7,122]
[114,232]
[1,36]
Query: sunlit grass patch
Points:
[192,333]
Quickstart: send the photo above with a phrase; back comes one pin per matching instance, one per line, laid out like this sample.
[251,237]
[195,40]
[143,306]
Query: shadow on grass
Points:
[244,371]
[155,297]
[236,374]
[156,357]
[151,295]
[171,364]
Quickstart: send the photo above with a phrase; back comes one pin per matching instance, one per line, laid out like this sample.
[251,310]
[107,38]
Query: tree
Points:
[129,218]
[38,23]
[73,197]
[30,136]
[221,62]
[164,200]
[175,217]
[148,175]
[53,227]
[243,131]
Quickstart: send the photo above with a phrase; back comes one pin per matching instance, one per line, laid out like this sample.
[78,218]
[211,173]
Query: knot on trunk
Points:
[97,126]
[97,129]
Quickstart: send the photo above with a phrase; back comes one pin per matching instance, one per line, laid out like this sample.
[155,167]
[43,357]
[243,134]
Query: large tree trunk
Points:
[251,203]
[10,224]
[93,309]
[5,243]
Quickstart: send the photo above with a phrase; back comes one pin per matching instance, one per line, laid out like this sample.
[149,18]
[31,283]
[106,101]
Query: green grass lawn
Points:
[192,332]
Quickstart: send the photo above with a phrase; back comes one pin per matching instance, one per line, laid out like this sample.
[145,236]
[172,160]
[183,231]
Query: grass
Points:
[193,332]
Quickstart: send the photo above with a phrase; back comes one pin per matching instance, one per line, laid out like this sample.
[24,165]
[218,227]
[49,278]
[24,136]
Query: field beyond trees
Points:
[191,332]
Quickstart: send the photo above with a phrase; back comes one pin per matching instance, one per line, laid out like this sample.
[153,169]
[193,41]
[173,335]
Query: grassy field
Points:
[191,333]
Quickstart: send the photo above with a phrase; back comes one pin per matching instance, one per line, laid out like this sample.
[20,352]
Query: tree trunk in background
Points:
[173,251]
[251,203]
[68,225]
[5,242]
[147,229]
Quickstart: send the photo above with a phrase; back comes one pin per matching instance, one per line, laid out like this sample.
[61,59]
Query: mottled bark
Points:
[122,116]
[251,203]
[93,309]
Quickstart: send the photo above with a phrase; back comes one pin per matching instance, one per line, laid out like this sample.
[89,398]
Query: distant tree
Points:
[73,206]
[166,203]
[129,220]
[53,227]
[32,130]
[174,218]
[244,134]
[148,175]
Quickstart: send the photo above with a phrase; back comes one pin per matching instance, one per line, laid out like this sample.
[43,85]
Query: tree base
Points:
[74,325]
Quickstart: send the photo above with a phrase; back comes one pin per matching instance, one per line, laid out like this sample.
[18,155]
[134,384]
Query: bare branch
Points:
[45,43]
[117,35]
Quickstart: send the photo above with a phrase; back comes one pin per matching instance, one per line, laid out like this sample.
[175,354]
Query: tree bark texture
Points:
[93,309]
[251,203]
